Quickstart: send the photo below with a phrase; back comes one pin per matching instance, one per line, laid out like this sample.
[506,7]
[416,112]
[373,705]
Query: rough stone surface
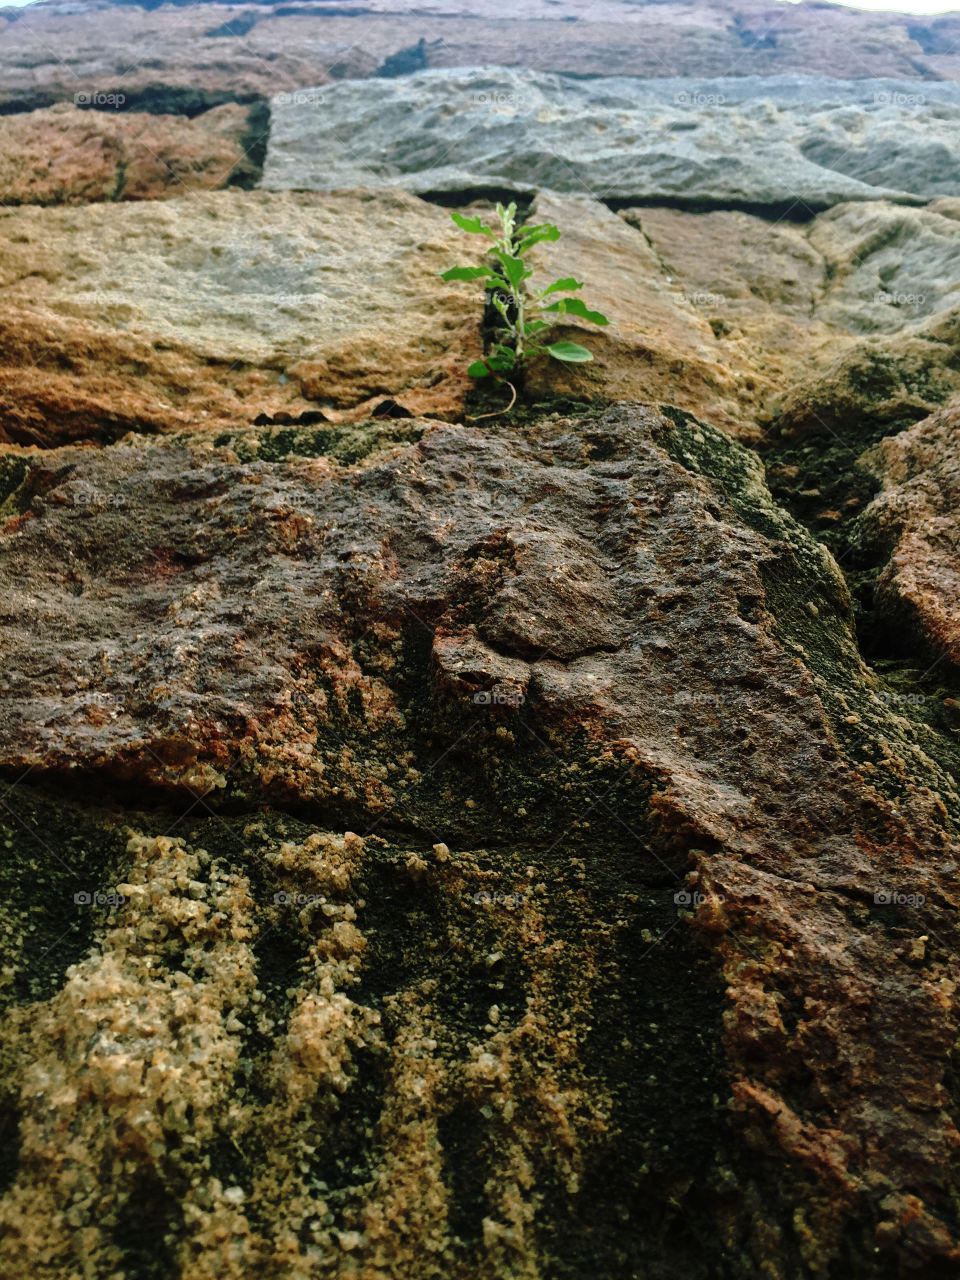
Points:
[758,326]
[237,304]
[159,60]
[914,520]
[215,308]
[66,155]
[786,144]
[50,51]
[438,847]
[496,968]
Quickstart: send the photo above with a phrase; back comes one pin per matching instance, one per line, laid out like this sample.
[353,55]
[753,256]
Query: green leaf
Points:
[562,286]
[502,357]
[500,360]
[473,225]
[577,307]
[534,326]
[466,273]
[569,352]
[513,268]
[529,236]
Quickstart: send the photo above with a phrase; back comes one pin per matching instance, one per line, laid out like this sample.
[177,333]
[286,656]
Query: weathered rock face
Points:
[215,308]
[440,847]
[782,143]
[759,326]
[66,155]
[542,674]
[234,305]
[157,60]
[179,54]
[914,521]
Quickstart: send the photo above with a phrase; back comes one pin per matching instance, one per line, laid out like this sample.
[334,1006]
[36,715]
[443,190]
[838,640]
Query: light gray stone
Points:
[749,141]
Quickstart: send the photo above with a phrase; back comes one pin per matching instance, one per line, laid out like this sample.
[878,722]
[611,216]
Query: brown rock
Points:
[289,630]
[913,523]
[211,309]
[49,55]
[729,317]
[66,155]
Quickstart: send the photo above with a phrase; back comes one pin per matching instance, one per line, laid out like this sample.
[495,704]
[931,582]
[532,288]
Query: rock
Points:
[785,144]
[157,59]
[700,318]
[228,310]
[887,267]
[229,305]
[758,327]
[913,530]
[66,155]
[705,873]
[100,46]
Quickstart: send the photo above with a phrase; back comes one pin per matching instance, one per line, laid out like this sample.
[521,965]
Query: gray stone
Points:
[747,141]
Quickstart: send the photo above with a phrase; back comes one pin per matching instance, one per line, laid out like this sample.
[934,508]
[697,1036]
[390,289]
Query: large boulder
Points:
[66,155]
[788,144]
[650,916]
[215,308]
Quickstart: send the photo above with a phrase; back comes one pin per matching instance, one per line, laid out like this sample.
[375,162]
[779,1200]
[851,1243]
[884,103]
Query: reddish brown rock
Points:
[592,657]
[212,309]
[66,155]
[913,523]
[169,54]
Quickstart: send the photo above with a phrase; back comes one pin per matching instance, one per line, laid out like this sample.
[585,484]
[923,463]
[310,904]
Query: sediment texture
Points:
[573,827]
[450,843]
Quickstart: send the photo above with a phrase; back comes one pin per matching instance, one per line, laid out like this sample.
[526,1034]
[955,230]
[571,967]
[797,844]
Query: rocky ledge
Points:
[448,834]
[787,143]
[445,841]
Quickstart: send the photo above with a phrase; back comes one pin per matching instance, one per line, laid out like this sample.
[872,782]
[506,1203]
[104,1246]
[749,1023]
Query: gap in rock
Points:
[492,195]
[816,477]
[794,211]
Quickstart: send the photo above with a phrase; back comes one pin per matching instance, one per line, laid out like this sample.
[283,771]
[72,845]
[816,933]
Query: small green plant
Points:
[526,314]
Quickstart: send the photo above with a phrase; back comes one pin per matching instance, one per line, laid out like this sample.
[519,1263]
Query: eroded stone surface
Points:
[914,521]
[66,155]
[667,678]
[748,142]
[761,326]
[234,304]
[50,52]
[214,308]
